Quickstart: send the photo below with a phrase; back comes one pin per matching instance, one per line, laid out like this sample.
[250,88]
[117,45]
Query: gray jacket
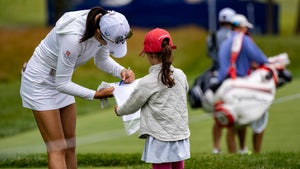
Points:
[164,112]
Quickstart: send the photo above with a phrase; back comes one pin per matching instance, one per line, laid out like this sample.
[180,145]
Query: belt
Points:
[52,72]
[24,66]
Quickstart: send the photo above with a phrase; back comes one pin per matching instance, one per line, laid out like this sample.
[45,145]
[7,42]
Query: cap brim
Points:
[142,52]
[249,25]
[117,50]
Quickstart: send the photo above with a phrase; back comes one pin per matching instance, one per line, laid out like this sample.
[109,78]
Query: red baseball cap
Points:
[153,40]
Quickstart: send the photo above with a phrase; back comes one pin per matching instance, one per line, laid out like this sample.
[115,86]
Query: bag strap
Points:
[272,72]
[214,40]
[235,51]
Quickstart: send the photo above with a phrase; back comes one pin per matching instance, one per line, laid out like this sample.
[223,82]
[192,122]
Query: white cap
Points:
[226,14]
[241,21]
[114,26]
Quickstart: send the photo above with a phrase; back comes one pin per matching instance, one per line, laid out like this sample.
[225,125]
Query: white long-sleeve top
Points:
[62,52]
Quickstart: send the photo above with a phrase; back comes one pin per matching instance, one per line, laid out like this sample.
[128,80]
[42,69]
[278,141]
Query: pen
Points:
[126,74]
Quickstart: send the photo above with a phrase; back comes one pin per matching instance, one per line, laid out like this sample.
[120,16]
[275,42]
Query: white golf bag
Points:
[243,100]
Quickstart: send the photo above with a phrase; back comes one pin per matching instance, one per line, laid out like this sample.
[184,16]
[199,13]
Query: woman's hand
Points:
[127,75]
[104,93]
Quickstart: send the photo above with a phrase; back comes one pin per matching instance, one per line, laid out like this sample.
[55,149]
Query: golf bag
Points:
[244,100]
[196,94]
[241,100]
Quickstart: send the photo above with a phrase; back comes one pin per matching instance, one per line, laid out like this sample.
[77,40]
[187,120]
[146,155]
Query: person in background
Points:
[213,43]
[46,84]
[249,57]
[162,97]
[214,40]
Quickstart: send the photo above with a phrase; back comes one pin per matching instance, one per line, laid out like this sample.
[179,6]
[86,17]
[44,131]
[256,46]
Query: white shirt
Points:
[62,52]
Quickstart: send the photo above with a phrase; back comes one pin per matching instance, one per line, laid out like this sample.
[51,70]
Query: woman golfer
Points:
[47,88]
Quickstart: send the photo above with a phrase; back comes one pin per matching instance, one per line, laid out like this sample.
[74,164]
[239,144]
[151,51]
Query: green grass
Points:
[101,135]
[101,131]
[276,160]
[190,56]
[287,17]
[22,13]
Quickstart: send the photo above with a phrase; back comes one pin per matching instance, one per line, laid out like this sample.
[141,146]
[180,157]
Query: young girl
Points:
[161,96]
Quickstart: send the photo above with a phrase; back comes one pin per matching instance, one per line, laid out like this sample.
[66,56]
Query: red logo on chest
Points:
[68,53]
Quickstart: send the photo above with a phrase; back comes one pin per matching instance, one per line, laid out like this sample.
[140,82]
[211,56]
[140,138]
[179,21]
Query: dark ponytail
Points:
[91,25]
[167,59]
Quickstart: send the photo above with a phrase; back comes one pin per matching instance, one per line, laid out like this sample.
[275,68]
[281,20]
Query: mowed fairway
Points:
[100,133]
[103,132]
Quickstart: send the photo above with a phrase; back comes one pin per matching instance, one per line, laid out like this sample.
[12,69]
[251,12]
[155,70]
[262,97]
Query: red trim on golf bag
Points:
[222,115]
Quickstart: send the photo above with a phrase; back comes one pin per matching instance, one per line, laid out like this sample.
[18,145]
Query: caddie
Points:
[237,55]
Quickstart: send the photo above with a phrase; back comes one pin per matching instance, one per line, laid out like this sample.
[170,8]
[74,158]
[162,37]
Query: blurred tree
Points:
[298,19]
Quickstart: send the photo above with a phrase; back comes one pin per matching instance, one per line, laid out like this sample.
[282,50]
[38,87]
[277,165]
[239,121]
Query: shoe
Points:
[216,151]
[245,151]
